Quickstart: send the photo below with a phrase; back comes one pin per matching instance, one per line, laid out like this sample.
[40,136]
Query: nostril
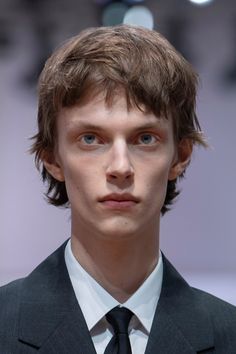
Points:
[120,174]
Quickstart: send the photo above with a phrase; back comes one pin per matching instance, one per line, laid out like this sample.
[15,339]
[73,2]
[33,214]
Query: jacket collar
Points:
[49,311]
[50,316]
[181,323]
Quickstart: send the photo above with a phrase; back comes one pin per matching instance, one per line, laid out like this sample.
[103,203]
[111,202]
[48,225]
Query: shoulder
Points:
[213,302]
[188,297]
[23,299]
[201,316]
[9,296]
[222,316]
[221,313]
[9,309]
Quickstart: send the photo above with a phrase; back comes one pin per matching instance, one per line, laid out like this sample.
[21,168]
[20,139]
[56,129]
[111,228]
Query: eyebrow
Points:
[97,127]
[84,125]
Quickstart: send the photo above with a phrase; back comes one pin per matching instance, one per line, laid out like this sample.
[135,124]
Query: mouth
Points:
[119,201]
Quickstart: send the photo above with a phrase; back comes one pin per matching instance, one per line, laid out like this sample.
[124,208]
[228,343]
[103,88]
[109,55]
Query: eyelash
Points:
[100,141]
[150,135]
[86,135]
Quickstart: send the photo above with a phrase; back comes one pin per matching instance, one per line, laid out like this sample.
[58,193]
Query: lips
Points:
[119,201]
[120,198]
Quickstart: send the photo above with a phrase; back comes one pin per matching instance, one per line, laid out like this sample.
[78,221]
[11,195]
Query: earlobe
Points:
[52,165]
[182,160]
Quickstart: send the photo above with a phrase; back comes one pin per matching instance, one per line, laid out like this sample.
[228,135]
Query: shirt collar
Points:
[95,301]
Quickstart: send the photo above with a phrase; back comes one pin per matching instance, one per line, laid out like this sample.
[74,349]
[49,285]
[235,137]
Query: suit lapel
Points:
[181,324]
[71,336]
[50,319]
[166,338]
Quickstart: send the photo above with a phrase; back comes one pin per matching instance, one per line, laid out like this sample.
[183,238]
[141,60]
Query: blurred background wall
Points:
[198,235]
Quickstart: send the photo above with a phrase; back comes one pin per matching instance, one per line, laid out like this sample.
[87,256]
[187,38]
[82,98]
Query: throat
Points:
[119,272]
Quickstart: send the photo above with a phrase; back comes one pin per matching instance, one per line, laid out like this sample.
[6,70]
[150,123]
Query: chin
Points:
[119,229]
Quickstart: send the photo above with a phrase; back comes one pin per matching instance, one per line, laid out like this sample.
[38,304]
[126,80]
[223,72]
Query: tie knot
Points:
[119,318]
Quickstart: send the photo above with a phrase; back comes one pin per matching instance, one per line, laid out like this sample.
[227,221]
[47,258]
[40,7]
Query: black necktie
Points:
[119,318]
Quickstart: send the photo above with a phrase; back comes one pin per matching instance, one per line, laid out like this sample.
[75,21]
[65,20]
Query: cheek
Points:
[156,178]
[73,167]
[157,170]
[81,179]
[157,182]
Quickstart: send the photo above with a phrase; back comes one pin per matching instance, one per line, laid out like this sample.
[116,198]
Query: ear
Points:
[52,165]
[182,159]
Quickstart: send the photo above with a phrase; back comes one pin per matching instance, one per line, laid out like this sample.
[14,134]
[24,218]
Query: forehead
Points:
[112,115]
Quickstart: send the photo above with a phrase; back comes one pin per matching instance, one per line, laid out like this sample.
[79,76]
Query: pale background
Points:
[198,235]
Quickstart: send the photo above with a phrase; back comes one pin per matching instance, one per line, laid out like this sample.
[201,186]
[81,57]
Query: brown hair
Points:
[141,62]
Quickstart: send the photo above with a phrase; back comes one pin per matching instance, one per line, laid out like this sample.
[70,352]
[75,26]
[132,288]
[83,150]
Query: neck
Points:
[120,265]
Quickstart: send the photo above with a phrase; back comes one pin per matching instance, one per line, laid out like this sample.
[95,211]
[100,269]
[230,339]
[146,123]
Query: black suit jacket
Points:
[40,314]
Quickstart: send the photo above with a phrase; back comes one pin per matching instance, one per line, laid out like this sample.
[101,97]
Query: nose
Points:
[119,166]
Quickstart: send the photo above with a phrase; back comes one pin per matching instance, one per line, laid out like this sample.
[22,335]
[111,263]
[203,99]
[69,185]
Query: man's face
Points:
[116,164]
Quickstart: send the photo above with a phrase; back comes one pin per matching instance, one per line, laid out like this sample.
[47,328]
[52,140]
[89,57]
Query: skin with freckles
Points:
[116,163]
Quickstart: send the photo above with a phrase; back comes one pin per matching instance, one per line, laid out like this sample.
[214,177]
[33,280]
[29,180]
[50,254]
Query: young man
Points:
[116,128]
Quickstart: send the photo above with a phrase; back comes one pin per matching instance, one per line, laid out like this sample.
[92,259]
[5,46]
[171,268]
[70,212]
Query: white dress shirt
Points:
[95,302]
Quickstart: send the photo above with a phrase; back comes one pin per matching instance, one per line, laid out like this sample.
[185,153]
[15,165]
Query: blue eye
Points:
[89,139]
[147,139]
